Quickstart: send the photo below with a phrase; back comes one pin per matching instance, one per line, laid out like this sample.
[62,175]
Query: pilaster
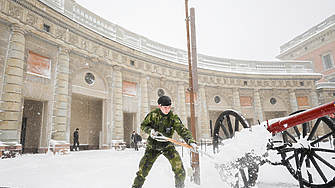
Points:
[258,106]
[314,98]
[11,96]
[109,107]
[182,103]
[144,107]
[293,101]
[204,120]
[236,100]
[117,104]
[59,115]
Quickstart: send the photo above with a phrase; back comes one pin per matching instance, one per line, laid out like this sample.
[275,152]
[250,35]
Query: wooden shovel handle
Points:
[179,143]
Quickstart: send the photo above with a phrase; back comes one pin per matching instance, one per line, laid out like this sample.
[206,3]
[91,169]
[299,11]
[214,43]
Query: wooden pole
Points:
[194,156]
[194,52]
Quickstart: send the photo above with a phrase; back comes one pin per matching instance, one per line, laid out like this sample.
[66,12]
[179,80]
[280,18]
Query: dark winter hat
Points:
[164,101]
[77,129]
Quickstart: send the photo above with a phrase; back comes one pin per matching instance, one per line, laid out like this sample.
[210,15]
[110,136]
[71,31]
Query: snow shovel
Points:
[162,138]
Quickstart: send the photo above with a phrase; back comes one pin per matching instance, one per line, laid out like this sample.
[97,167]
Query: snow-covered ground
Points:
[116,169]
[110,168]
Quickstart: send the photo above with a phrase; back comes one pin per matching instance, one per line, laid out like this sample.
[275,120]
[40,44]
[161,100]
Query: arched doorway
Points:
[86,114]
[89,94]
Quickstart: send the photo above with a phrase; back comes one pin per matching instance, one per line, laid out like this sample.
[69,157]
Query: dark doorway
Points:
[128,124]
[86,114]
[31,126]
[274,114]
[213,115]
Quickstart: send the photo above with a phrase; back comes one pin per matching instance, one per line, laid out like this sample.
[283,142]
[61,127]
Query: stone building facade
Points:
[63,67]
[316,45]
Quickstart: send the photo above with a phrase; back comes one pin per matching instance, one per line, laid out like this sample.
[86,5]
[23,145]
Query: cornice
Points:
[153,66]
[309,44]
[133,41]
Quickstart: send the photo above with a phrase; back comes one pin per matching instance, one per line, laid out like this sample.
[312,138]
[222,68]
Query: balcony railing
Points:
[311,32]
[116,33]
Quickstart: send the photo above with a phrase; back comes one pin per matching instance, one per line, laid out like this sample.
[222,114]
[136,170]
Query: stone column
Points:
[60,105]
[294,105]
[293,101]
[314,98]
[203,113]
[109,107]
[10,110]
[117,104]
[258,106]
[181,103]
[144,103]
[236,100]
[314,102]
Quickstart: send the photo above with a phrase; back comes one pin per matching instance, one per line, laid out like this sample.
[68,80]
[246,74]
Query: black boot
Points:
[180,185]
[136,186]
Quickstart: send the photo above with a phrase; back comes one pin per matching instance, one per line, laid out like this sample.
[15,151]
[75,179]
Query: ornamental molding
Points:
[118,34]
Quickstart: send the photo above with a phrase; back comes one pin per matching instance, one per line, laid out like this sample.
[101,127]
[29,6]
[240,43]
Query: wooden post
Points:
[194,156]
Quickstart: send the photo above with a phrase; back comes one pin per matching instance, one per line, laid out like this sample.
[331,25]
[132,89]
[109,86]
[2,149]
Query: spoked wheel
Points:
[308,154]
[229,122]
[226,125]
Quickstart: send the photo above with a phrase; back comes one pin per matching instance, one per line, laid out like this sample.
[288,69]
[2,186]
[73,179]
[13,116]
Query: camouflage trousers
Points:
[149,159]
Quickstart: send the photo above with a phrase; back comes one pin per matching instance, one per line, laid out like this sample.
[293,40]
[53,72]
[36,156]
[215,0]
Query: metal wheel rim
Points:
[313,159]
[233,120]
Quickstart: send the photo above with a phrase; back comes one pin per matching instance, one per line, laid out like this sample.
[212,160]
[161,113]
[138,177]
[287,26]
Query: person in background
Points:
[134,140]
[165,121]
[76,139]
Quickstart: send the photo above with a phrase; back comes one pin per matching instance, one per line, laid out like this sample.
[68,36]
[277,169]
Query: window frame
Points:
[325,67]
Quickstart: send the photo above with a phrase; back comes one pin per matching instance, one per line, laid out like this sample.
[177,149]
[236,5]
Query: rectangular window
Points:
[245,101]
[129,88]
[302,101]
[38,65]
[46,28]
[331,80]
[327,61]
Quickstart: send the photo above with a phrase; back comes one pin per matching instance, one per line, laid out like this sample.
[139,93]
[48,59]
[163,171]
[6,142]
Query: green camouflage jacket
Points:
[165,124]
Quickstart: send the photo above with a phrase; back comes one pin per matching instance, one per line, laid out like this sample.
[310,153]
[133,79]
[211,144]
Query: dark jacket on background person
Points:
[76,139]
[134,137]
[76,135]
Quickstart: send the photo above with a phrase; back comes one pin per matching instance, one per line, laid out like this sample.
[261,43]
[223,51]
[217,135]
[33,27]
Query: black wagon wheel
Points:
[229,122]
[308,154]
[226,125]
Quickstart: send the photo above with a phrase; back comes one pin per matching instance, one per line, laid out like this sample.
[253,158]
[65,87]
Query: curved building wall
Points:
[84,72]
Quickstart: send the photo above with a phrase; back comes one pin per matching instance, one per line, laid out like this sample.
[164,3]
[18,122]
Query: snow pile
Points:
[249,140]
[243,151]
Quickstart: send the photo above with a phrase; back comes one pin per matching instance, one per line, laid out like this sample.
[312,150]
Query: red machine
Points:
[281,124]
[303,140]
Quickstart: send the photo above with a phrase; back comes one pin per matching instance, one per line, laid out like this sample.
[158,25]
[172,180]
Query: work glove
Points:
[195,148]
[153,134]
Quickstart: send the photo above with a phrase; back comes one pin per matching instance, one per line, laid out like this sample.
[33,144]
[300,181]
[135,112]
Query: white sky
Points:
[238,29]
